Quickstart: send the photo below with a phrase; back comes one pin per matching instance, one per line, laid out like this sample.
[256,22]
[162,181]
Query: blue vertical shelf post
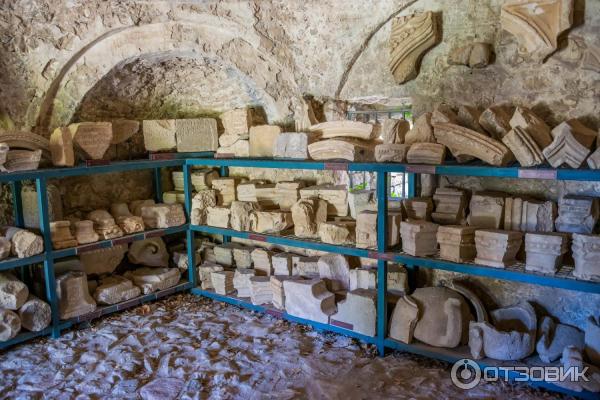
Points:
[382,196]
[158,184]
[42,198]
[191,251]
[17,204]
[224,171]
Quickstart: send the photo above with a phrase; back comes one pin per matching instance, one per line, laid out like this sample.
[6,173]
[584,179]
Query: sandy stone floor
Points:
[192,348]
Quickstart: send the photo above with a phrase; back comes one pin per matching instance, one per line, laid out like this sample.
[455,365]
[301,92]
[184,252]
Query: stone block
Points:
[102,261]
[62,238]
[204,274]
[225,189]
[13,292]
[426,153]
[242,255]
[404,319]
[335,271]
[545,251]
[260,290]
[358,312]
[35,314]
[418,208]
[159,135]
[577,214]
[115,289]
[309,299]
[394,130]
[352,150]
[163,216]
[10,325]
[262,140]
[457,243]
[474,55]
[496,248]
[391,152]
[241,281]
[222,282]
[104,224]
[218,216]
[362,278]
[61,148]
[592,340]
[450,206]
[419,238]
[305,266]
[196,134]
[238,121]
[307,214]
[201,201]
[487,211]
[239,149]
[554,337]
[29,201]
[261,258]
[292,145]
[92,138]
[336,197]
[422,131]
[24,243]
[154,279]
[361,200]
[270,221]
[282,264]
[586,253]
[73,296]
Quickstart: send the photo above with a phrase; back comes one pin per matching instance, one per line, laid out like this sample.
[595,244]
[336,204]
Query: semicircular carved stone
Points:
[411,37]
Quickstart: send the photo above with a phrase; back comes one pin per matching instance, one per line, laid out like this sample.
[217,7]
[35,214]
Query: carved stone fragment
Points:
[160,216]
[201,201]
[10,325]
[13,292]
[536,24]
[571,145]
[421,132]
[450,206]
[102,261]
[241,148]
[366,230]
[393,130]
[222,282]
[426,153]
[419,238]
[61,147]
[104,224]
[5,247]
[238,121]
[278,291]
[411,37]
[225,188]
[496,121]
[586,252]
[538,216]
[307,214]
[336,197]
[525,119]
[241,214]
[24,243]
[292,145]
[468,117]
[196,134]
[418,208]
[342,149]
[261,258]
[487,210]
[594,159]
[457,243]
[554,338]
[35,314]
[363,278]
[130,224]
[545,251]
[344,129]
[309,299]
[524,148]
[358,312]
[73,296]
[93,138]
[270,221]
[474,55]
[123,130]
[241,281]
[337,232]
[391,152]
[496,248]
[361,200]
[287,194]
[159,135]
[201,179]
[260,290]
[262,140]
[60,232]
[115,289]
[154,279]
[218,216]
[282,263]
[150,252]
[305,266]
[404,319]
[335,271]
[22,160]
[577,214]
[204,274]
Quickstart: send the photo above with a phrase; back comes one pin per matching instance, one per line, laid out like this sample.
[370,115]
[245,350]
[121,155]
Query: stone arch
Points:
[228,43]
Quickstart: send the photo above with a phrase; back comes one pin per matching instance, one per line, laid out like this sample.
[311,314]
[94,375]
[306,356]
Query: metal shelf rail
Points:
[562,280]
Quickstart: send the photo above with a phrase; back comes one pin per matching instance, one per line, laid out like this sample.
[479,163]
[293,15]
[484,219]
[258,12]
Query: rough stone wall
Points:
[63,61]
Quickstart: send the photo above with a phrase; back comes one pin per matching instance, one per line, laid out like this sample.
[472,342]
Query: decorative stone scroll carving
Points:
[292,145]
[457,243]
[496,248]
[309,299]
[577,214]
[426,153]
[391,152]
[154,279]
[474,55]
[262,140]
[151,252]
[115,289]
[358,311]
[158,216]
[525,119]
[510,336]
[35,314]
[336,197]
[524,148]
[496,121]
[419,238]
[307,214]
[450,206]
[196,134]
[545,251]
[73,296]
[464,141]
[342,149]
[537,24]
[572,143]
[443,317]
[586,252]
[394,130]
[411,37]
[60,232]
[344,129]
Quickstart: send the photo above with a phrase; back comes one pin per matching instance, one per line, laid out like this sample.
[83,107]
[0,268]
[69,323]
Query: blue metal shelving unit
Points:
[563,279]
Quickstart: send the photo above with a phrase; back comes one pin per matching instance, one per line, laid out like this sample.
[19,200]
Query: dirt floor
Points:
[193,348]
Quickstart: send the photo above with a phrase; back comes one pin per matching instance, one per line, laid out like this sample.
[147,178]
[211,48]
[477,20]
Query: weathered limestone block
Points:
[240,148]
[418,208]
[270,221]
[22,160]
[241,281]
[242,255]
[366,230]
[467,142]
[538,216]
[104,224]
[262,140]
[201,179]
[218,216]
[592,340]
[130,224]
[102,261]
[24,243]
[136,206]
[225,188]
[62,238]
[577,214]
[361,200]
[391,152]
[154,279]
[510,336]
[292,145]
[278,291]
[554,337]
[173,196]
[363,278]
[115,289]
[35,314]
[150,252]
[335,271]
[342,149]
[443,317]
[337,232]
[282,264]
[204,274]
[426,153]
[358,312]
[224,253]
[545,251]
[61,148]
[10,325]
[5,247]
[196,134]
[393,130]
[288,193]
[93,138]
[404,319]
[201,201]
[238,121]
[594,159]
[73,296]
[421,132]
[309,299]
[487,210]
[336,197]
[305,266]
[468,117]
[222,282]
[457,243]
[525,119]
[124,129]
[344,129]
[536,24]
[474,55]
[496,121]
[419,238]
[260,290]
[496,248]
[572,143]
[241,214]
[261,258]
[524,148]
[13,292]
[159,135]
[246,191]
[160,216]
[586,253]
[31,215]
[397,279]
[450,206]
[410,38]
